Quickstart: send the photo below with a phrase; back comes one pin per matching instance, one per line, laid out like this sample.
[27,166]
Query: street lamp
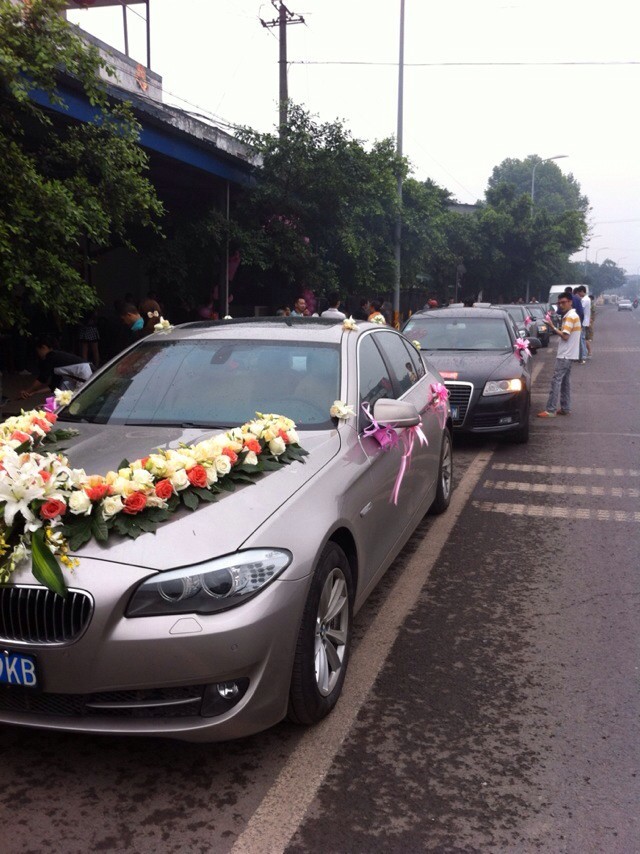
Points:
[601,249]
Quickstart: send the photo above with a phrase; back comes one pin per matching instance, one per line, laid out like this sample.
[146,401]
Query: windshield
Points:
[208,383]
[441,333]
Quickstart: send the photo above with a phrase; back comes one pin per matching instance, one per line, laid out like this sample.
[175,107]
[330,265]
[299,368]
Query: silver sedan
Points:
[157,636]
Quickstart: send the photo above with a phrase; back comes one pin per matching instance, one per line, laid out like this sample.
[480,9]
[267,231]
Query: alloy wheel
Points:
[332,631]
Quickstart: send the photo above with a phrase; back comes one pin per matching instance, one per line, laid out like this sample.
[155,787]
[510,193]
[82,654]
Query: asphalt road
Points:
[493,694]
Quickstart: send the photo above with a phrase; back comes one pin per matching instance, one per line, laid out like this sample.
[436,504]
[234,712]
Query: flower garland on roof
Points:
[48,510]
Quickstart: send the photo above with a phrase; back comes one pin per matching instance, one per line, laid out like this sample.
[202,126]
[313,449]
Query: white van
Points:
[555,290]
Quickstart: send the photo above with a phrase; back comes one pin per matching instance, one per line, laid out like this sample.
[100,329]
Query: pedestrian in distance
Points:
[568,352]
[576,302]
[585,338]
[363,311]
[376,315]
[300,308]
[89,337]
[151,313]
[50,358]
[132,318]
[334,308]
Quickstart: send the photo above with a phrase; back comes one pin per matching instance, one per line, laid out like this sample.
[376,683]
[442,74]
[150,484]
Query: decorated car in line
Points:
[185,541]
[485,365]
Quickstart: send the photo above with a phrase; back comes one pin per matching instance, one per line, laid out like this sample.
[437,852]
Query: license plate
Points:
[454,413]
[17,669]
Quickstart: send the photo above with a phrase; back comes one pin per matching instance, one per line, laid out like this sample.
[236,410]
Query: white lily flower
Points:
[341,410]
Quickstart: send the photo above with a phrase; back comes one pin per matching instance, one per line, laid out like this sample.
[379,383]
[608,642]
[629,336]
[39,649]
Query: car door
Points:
[381,522]
[414,388]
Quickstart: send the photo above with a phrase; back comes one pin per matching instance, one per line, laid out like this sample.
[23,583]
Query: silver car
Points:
[155,638]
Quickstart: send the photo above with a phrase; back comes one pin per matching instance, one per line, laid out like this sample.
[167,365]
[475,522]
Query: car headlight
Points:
[502,387]
[208,587]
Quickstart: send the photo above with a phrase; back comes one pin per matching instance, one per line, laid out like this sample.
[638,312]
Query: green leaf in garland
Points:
[270,465]
[204,494]
[124,464]
[190,499]
[99,526]
[45,566]
[227,485]
[149,526]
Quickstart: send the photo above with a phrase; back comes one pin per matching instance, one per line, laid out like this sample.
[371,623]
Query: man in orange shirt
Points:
[568,353]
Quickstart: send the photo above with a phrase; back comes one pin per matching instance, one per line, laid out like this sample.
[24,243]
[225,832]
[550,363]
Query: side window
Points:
[416,359]
[397,356]
[373,377]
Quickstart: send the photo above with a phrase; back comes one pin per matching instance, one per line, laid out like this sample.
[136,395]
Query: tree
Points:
[323,209]
[555,192]
[65,188]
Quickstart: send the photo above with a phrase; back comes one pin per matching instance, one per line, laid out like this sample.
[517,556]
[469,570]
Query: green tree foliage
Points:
[555,192]
[601,278]
[323,209]
[64,187]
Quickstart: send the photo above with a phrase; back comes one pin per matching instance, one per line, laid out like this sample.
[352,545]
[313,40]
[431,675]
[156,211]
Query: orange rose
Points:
[253,445]
[229,452]
[45,475]
[163,489]
[52,508]
[51,417]
[42,424]
[19,436]
[198,476]
[134,503]
[283,435]
[97,493]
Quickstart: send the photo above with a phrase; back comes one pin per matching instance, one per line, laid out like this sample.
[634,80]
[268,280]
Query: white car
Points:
[625,305]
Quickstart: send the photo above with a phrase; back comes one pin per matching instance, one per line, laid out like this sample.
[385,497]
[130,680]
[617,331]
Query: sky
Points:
[484,80]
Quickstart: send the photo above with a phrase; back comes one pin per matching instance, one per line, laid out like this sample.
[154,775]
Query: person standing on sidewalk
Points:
[585,336]
[568,352]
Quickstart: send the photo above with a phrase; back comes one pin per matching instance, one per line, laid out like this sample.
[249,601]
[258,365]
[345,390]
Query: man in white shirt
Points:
[585,338]
[568,352]
[334,308]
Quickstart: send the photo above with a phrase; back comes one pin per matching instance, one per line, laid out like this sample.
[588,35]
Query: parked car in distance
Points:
[540,328]
[625,305]
[474,349]
[241,612]
[521,317]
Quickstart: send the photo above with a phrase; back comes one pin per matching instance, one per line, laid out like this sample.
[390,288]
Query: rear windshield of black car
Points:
[468,333]
[206,383]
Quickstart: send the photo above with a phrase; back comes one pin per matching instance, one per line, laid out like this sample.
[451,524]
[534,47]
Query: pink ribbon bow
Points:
[547,317]
[522,348]
[439,398]
[386,437]
[408,440]
[50,404]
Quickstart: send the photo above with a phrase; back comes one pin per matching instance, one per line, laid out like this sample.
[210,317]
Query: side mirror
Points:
[534,343]
[522,333]
[396,413]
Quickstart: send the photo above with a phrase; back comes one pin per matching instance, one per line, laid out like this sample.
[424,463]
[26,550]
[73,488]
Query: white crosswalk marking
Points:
[560,489]
[541,511]
[537,469]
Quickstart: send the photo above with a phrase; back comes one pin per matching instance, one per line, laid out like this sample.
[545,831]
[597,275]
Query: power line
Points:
[285,17]
[463,64]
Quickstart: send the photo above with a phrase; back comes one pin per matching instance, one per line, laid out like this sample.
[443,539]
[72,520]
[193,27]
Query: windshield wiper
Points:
[199,425]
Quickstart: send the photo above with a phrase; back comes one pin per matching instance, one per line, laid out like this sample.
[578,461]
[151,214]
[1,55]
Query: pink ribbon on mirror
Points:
[528,319]
[522,348]
[386,437]
[50,404]
[439,398]
[408,440]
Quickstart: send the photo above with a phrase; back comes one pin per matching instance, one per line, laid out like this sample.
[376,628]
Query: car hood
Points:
[475,366]
[213,529]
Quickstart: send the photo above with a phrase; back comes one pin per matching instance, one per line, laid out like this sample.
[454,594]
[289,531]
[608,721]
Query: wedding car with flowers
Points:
[184,541]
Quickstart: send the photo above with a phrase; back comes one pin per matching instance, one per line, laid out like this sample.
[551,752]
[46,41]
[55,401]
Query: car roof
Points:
[310,329]
[450,311]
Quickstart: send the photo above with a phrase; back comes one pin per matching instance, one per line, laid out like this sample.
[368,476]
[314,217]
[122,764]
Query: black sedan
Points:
[474,349]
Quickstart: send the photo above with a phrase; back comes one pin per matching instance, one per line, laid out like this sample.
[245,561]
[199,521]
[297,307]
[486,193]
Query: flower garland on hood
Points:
[49,510]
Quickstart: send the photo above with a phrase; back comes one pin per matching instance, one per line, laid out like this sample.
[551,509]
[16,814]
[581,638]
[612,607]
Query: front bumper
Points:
[157,676]
[499,414]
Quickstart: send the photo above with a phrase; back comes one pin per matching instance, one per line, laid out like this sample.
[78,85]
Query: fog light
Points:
[506,419]
[222,696]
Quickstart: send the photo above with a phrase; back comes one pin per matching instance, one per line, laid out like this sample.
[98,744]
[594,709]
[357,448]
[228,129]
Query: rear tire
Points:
[324,640]
[445,476]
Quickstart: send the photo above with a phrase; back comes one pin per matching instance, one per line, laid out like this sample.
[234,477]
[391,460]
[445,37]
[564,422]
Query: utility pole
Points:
[285,17]
[398,229]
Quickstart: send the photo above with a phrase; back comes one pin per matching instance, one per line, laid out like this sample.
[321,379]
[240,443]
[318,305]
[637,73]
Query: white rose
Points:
[157,465]
[154,501]
[250,459]
[293,438]
[142,477]
[277,446]
[121,486]
[212,475]
[80,504]
[111,505]
[223,465]
[125,473]
[256,427]
[179,480]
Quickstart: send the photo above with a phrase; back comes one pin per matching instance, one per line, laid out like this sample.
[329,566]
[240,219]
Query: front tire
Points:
[445,476]
[521,436]
[324,640]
